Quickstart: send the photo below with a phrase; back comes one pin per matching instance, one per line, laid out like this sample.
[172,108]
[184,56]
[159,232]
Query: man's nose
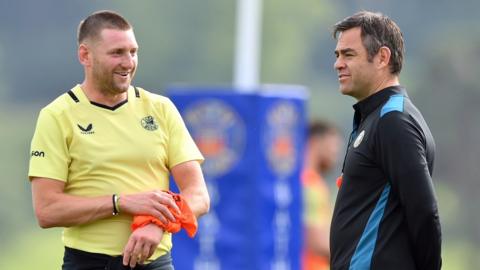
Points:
[128,61]
[339,64]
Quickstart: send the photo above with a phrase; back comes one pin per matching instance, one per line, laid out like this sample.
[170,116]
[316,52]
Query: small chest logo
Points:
[86,130]
[359,139]
[149,123]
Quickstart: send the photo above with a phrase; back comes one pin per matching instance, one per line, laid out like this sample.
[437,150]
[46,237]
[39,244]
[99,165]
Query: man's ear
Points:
[383,57]
[84,54]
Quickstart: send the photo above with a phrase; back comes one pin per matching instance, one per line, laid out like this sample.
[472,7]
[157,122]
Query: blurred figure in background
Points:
[321,152]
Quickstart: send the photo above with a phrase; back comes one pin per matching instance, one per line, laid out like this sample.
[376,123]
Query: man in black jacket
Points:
[385,215]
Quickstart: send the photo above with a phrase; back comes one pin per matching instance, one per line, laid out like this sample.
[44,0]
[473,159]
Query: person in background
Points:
[321,152]
[101,157]
[385,214]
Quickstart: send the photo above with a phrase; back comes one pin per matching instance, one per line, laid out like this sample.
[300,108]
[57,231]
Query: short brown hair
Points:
[320,128]
[377,30]
[96,22]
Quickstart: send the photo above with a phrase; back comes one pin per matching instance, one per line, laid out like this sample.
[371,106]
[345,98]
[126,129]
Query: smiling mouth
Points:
[123,74]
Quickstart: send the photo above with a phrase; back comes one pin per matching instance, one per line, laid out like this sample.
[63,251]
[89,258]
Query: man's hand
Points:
[154,203]
[141,244]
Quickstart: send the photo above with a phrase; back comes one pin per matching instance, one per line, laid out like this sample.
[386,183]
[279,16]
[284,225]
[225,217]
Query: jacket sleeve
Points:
[402,152]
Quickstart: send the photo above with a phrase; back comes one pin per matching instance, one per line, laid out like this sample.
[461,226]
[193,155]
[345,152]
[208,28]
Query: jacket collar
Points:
[369,104]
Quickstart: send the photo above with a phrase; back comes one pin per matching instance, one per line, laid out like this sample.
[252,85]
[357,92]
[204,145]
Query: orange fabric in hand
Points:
[186,219]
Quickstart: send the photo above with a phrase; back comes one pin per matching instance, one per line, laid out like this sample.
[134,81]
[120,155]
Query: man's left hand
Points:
[141,244]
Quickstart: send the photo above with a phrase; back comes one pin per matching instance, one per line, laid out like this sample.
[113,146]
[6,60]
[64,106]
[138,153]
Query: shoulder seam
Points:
[394,103]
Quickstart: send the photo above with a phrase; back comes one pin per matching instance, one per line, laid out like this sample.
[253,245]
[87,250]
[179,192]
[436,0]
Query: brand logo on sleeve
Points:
[149,123]
[86,130]
[37,153]
[359,139]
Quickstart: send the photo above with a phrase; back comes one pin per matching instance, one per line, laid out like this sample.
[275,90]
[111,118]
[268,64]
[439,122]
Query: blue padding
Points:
[362,258]
[395,103]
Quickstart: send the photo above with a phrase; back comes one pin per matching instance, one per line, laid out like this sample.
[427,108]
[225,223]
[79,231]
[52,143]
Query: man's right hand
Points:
[154,203]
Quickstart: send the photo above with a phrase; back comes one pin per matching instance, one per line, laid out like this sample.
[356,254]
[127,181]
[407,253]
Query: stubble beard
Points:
[107,84]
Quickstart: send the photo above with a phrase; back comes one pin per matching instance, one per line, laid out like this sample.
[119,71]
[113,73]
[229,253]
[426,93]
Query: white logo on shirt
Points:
[359,139]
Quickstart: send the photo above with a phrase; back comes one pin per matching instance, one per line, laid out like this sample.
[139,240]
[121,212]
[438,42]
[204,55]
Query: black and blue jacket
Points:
[385,215]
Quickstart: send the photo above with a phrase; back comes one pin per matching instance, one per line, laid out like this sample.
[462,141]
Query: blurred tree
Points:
[298,48]
[39,47]
[450,94]
[183,41]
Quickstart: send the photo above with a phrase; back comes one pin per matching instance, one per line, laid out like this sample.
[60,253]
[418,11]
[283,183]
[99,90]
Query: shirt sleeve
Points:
[49,156]
[181,147]
[317,210]
[403,157]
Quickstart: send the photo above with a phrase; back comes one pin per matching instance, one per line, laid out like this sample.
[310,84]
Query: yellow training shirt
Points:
[98,150]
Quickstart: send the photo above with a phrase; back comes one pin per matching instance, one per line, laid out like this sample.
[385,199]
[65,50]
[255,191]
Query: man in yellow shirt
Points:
[102,153]
[321,152]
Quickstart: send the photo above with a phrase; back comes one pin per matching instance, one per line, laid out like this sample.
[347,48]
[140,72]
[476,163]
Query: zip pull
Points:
[339,181]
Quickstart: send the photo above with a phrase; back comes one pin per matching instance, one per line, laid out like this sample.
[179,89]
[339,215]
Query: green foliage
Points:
[298,49]
[459,255]
[33,249]
[180,38]
[17,124]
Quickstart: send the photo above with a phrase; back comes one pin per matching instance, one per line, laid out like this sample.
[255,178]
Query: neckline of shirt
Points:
[369,104]
[78,91]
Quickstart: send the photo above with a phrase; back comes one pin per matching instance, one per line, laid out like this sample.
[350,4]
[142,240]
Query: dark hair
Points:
[377,30]
[96,22]
[320,128]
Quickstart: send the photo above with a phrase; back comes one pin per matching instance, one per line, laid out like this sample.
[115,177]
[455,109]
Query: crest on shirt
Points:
[359,139]
[149,123]
[281,139]
[219,133]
